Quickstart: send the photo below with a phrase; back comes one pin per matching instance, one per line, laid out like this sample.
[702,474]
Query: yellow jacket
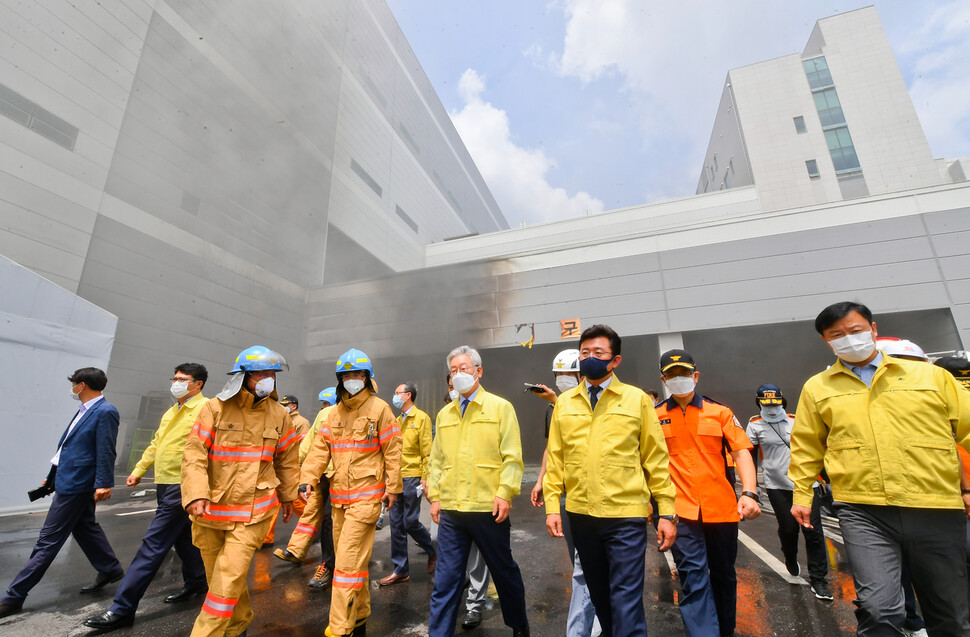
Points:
[241,456]
[416,443]
[307,441]
[890,444]
[475,458]
[165,450]
[609,460]
[361,437]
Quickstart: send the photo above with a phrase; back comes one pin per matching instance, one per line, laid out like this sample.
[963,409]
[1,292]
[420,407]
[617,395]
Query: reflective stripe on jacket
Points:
[609,460]
[361,438]
[891,443]
[475,458]
[241,455]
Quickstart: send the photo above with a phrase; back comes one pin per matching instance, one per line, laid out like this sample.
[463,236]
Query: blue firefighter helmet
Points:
[354,360]
[258,358]
[329,394]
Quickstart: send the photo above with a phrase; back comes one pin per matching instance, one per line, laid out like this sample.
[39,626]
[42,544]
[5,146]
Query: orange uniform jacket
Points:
[242,456]
[362,437]
[699,441]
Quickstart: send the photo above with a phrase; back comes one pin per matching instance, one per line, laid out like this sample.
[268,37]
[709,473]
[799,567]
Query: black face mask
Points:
[594,368]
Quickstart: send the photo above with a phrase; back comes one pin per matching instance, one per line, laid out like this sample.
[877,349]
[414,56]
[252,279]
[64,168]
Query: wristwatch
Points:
[673,518]
[752,495]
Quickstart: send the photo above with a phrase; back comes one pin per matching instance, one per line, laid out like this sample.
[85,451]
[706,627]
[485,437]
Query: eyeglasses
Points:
[598,353]
[176,379]
[464,370]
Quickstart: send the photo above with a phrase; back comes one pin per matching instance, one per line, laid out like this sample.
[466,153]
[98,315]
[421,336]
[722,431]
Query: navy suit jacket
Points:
[87,459]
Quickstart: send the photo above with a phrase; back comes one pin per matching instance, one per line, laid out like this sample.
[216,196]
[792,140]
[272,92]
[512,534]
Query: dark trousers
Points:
[456,532]
[788,529]
[612,552]
[405,521]
[327,554]
[68,515]
[878,539]
[705,553]
[170,527]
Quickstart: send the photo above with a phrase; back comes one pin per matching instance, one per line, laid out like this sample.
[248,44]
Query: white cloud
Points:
[517,177]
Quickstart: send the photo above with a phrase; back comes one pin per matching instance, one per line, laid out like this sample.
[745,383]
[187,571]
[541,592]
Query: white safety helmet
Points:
[900,347]
[566,361]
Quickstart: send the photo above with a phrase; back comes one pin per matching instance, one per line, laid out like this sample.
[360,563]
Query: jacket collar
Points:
[354,402]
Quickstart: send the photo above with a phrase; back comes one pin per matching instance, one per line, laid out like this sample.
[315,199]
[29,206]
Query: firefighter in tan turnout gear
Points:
[362,438]
[240,463]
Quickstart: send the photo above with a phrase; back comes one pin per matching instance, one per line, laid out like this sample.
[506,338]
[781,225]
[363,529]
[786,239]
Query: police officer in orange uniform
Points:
[700,433]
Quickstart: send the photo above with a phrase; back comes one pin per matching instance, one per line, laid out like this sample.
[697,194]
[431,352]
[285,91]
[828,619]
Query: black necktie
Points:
[464,405]
[594,393]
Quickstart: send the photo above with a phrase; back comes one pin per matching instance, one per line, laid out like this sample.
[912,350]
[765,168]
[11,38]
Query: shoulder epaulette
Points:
[754,418]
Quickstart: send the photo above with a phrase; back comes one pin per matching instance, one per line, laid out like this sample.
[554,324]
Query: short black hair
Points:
[93,377]
[196,370]
[411,389]
[653,394]
[601,330]
[838,311]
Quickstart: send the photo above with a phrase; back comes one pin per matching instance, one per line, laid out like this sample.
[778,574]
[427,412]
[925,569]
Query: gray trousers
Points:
[478,578]
[878,539]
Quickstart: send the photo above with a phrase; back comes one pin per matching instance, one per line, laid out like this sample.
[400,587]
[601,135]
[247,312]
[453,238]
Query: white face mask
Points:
[453,394]
[566,382]
[462,382]
[179,388]
[853,348]
[353,386]
[75,396]
[265,387]
[680,385]
[773,413]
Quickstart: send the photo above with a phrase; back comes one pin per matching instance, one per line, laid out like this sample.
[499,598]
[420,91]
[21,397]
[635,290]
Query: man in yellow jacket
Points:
[171,526]
[887,431]
[476,470]
[415,450]
[362,439]
[608,478]
[240,464]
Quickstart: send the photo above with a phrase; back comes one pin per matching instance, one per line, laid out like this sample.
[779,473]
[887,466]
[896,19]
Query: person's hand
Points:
[287,511]
[666,533]
[102,494]
[132,480]
[748,508]
[435,511]
[500,510]
[546,394]
[554,524]
[966,504]
[536,496]
[304,491]
[389,498]
[803,515]
[198,508]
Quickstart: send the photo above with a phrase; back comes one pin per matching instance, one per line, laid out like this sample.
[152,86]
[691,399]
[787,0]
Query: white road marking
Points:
[773,562]
[121,515]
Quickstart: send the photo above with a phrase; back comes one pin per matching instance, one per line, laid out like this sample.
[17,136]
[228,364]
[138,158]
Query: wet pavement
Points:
[767,603]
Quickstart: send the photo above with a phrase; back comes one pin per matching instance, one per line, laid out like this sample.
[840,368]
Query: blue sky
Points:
[575,105]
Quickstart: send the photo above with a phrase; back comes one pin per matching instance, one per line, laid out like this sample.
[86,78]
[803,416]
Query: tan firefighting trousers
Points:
[298,507]
[309,525]
[227,555]
[353,540]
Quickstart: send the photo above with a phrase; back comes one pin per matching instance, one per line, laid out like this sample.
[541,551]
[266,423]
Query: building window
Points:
[829,108]
[27,113]
[800,125]
[817,70]
[842,150]
[812,167]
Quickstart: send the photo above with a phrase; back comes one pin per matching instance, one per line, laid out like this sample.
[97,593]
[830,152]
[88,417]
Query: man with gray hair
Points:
[475,471]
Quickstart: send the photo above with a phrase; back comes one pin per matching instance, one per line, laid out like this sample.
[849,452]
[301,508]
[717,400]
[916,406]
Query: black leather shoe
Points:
[8,609]
[472,619]
[103,580]
[107,621]
[521,631]
[187,593]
